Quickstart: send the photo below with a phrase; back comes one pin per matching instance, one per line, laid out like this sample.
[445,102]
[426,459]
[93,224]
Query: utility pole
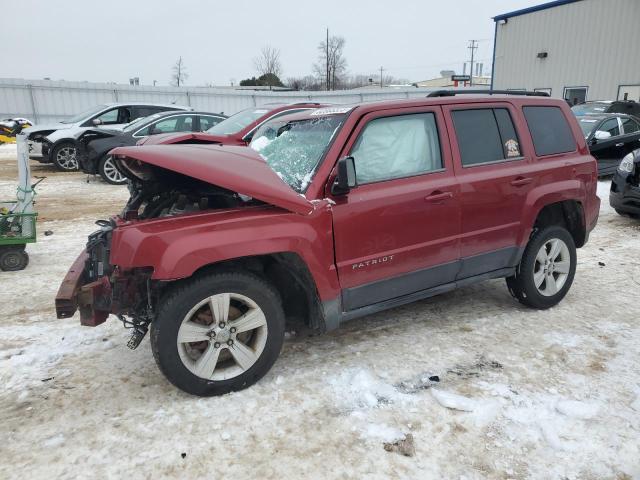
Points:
[327,59]
[381,69]
[473,45]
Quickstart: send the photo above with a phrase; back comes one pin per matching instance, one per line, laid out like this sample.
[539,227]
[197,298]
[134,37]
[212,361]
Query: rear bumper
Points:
[89,298]
[624,195]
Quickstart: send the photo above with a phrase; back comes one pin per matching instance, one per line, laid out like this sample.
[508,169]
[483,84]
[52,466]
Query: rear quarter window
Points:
[550,131]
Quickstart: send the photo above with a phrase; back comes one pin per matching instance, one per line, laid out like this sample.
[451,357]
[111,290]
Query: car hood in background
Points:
[239,169]
[186,137]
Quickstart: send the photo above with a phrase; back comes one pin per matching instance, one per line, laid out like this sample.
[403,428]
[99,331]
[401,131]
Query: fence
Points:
[45,101]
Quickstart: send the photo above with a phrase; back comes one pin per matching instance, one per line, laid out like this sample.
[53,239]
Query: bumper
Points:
[87,159]
[89,298]
[624,195]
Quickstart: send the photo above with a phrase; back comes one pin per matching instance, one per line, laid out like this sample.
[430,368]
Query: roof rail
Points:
[452,93]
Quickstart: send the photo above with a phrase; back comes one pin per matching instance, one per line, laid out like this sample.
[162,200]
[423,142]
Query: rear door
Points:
[495,174]
[396,233]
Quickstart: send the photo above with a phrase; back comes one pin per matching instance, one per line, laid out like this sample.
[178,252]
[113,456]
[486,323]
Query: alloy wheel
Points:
[111,171]
[66,158]
[552,267]
[222,336]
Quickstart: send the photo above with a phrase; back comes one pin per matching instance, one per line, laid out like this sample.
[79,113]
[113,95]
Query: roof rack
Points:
[452,93]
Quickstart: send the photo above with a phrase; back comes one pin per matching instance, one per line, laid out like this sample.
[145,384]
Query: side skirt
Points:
[331,311]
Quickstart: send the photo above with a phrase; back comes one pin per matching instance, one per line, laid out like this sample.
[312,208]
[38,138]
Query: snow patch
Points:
[454,401]
[382,432]
[576,409]
[359,389]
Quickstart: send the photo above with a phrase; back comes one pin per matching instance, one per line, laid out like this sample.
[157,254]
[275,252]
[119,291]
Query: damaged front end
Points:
[96,288]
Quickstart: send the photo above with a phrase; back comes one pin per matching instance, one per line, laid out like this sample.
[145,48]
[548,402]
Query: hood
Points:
[185,137]
[239,169]
[50,126]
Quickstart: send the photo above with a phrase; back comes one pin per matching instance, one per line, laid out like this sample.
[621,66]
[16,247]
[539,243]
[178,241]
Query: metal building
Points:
[573,49]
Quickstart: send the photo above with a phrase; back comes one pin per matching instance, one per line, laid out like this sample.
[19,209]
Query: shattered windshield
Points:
[237,122]
[84,115]
[293,149]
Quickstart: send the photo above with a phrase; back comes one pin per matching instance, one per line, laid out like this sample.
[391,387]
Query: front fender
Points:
[176,247]
[547,194]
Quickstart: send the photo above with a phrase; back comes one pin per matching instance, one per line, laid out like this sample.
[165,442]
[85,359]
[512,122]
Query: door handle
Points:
[621,144]
[521,181]
[438,196]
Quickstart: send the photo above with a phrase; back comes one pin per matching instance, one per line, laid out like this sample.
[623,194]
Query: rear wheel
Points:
[64,157]
[13,259]
[109,172]
[546,270]
[218,333]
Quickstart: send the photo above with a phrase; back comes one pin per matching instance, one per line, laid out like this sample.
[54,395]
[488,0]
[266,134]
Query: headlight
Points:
[626,165]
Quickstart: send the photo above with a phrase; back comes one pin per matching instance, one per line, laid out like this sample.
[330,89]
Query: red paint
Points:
[477,210]
[237,138]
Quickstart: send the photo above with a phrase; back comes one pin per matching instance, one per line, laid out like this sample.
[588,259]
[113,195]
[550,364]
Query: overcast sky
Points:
[114,40]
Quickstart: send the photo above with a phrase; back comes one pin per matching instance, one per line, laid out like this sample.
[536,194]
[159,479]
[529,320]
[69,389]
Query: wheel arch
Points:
[290,276]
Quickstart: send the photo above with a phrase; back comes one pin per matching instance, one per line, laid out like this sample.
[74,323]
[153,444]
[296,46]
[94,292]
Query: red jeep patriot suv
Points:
[331,214]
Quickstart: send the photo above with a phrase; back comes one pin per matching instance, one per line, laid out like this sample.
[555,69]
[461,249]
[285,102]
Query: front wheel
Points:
[546,270]
[109,172]
[218,333]
[64,157]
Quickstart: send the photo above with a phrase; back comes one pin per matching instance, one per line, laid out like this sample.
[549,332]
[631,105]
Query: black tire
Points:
[522,285]
[62,162]
[177,303]
[107,173]
[13,259]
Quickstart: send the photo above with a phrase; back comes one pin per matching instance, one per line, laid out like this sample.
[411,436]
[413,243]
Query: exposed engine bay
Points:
[159,192]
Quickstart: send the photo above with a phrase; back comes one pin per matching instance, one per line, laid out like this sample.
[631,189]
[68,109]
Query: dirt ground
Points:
[485,387]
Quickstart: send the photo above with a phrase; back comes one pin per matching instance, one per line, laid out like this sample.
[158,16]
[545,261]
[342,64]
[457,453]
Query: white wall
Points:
[45,101]
[594,43]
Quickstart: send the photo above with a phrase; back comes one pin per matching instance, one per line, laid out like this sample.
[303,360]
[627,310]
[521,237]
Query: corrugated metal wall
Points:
[593,43]
[45,101]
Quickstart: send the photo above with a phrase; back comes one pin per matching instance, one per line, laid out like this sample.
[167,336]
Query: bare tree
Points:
[268,62]
[308,82]
[331,65]
[179,74]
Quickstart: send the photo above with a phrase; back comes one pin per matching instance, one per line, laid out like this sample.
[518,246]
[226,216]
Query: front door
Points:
[396,233]
[610,150]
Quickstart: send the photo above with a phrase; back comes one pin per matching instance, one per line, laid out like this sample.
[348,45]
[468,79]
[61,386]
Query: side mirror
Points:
[602,135]
[96,121]
[346,178]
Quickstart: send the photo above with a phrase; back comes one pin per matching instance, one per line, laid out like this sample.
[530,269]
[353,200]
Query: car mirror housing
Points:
[601,135]
[96,121]
[346,177]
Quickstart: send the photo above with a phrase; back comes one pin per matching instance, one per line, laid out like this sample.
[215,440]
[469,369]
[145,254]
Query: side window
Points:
[109,117]
[485,135]
[207,122]
[610,126]
[630,126]
[550,132]
[182,123]
[396,147]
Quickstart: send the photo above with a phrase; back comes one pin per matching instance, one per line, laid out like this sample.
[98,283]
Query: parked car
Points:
[55,143]
[598,107]
[94,144]
[238,129]
[332,214]
[624,196]
[610,137]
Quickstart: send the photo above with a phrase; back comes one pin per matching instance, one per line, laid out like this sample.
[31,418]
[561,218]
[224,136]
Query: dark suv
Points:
[599,107]
[329,215]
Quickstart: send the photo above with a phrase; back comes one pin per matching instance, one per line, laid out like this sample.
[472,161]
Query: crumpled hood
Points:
[239,169]
[185,137]
[50,126]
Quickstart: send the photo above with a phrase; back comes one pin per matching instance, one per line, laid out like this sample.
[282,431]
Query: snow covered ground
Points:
[485,387]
